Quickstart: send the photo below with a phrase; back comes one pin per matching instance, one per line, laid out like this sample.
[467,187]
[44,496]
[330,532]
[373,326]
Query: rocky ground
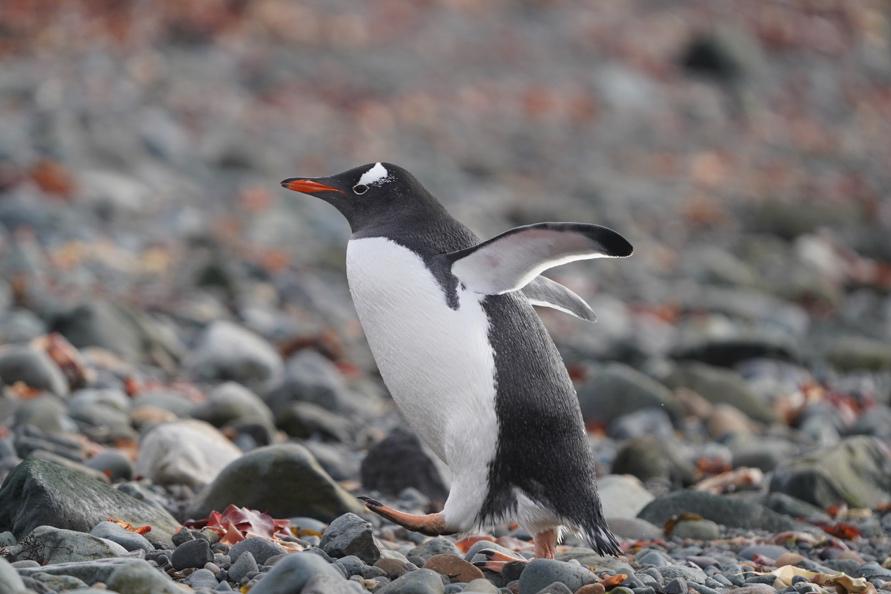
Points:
[188,403]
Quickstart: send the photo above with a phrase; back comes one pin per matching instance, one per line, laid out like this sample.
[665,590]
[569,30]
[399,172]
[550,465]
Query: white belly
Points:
[436,361]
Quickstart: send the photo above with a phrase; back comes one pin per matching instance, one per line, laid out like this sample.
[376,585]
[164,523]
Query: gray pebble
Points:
[194,553]
[243,567]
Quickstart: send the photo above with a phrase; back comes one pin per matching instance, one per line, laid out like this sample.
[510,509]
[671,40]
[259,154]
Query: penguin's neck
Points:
[424,232]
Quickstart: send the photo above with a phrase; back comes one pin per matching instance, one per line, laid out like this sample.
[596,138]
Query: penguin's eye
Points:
[360,189]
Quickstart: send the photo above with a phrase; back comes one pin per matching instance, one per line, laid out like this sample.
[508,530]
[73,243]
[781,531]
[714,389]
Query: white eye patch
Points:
[376,175]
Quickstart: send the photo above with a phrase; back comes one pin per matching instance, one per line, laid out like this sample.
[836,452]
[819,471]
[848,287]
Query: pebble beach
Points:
[187,400]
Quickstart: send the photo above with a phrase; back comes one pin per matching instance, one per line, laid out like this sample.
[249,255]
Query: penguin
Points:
[469,364]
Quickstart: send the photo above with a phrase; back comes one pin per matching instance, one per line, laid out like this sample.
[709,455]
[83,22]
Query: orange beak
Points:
[307,186]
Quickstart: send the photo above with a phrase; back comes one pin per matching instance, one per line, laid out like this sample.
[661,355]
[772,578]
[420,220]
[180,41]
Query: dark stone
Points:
[242,567]
[194,553]
[729,352]
[350,535]
[399,461]
[282,480]
[727,511]
[708,57]
[38,492]
[261,549]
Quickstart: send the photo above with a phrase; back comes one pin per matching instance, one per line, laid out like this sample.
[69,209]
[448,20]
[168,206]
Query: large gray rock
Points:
[46,544]
[33,368]
[723,510]
[282,480]
[616,390]
[400,461]
[186,452]
[856,471]
[721,386]
[90,572]
[350,535]
[226,351]
[293,572]
[39,492]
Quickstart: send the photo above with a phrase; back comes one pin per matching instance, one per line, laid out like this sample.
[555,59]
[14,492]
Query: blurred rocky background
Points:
[177,334]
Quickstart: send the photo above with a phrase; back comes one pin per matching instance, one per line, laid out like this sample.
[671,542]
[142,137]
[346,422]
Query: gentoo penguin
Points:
[470,365]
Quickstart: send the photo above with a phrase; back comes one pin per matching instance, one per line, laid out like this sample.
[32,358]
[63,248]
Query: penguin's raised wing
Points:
[509,262]
[544,292]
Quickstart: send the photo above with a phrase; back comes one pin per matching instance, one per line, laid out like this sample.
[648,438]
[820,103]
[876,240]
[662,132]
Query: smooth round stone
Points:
[420,581]
[481,586]
[769,551]
[453,567]
[131,541]
[203,578]
[696,530]
[293,572]
[540,573]
[393,568]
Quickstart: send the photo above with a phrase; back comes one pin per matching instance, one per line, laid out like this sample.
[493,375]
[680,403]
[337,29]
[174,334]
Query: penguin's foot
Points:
[546,544]
[429,524]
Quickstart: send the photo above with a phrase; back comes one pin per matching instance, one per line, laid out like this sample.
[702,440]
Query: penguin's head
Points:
[369,194]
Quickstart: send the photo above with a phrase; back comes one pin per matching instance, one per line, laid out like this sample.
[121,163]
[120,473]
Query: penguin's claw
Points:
[370,502]
[429,524]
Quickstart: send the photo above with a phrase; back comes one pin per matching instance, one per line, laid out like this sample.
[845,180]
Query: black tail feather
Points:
[601,539]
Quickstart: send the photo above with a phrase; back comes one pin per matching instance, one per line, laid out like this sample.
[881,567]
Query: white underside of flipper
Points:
[436,361]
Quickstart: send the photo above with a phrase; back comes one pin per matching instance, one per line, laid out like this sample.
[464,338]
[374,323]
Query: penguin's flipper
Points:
[509,262]
[544,292]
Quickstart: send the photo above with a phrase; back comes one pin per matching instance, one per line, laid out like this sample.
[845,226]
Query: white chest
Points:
[436,361]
